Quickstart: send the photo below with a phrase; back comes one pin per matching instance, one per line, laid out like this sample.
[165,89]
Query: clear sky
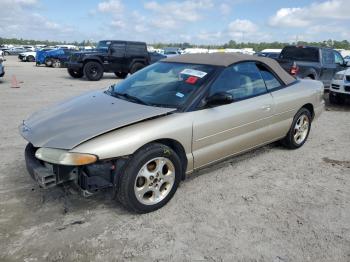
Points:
[200,22]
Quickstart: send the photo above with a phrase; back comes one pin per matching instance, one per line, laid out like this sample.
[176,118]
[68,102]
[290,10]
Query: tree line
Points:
[344,44]
[16,41]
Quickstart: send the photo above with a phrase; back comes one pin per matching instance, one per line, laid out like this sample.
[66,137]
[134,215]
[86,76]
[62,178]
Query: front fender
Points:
[92,59]
[125,141]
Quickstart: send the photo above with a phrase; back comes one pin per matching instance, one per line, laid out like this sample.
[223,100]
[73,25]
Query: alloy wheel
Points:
[154,181]
[301,129]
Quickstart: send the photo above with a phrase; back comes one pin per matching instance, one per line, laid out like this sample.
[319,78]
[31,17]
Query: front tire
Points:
[93,71]
[150,178]
[56,63]
[75,74]
[299,131]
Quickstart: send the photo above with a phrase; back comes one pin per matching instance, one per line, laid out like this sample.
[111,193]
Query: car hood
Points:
[347,71]
[74,121]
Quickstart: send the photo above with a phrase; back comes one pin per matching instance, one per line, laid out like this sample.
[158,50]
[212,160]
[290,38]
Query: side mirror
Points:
[220,98]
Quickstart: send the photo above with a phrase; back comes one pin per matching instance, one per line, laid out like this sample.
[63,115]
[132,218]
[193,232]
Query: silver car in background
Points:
[142,136]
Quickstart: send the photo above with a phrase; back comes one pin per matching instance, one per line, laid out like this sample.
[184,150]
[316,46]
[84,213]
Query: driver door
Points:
[339,61]
[225,130]
[117,57]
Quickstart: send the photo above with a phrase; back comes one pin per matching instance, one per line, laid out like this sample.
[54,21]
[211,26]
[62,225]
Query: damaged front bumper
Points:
[88,178]
[46,174]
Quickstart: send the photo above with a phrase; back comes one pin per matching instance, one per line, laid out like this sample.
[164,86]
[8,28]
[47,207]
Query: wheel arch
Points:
[177,147]
[311,73]
[87,60]
[137,61]
[310,107]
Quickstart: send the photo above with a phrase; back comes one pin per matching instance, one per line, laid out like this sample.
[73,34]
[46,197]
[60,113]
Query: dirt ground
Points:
[271,204]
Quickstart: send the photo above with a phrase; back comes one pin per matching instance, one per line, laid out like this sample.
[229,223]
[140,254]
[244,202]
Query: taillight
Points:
[294,69]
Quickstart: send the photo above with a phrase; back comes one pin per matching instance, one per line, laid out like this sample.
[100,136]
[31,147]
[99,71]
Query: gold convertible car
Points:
[142,136]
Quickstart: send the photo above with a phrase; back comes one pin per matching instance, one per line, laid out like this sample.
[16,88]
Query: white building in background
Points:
[210,51]
[66,46]
[277,51]
[248,51]
[195,51]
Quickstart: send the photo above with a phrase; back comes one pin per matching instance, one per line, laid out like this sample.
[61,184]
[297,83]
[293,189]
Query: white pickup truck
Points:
[340,87]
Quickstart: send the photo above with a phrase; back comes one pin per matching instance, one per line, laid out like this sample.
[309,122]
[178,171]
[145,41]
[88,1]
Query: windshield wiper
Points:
[130,97]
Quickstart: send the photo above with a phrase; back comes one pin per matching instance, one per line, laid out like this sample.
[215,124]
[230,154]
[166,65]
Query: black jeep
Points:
[120,57]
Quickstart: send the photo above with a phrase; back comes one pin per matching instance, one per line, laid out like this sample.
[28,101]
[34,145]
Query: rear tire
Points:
[30,58]
[150,178]
[56,63]
[75,74]
[121,75]
[136,67]
[299,131]
[93,71]
[6,53]
[335,99]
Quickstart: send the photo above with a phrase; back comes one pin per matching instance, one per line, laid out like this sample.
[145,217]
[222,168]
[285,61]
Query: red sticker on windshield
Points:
[191,80]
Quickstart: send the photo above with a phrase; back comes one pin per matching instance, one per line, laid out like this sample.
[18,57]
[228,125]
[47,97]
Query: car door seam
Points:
[233,128]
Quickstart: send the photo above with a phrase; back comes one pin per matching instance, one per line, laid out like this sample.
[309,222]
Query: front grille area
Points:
[335,86]
[347,88]
[348,78]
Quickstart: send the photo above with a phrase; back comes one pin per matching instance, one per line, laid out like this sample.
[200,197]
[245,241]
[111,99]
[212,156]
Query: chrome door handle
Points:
[266,107]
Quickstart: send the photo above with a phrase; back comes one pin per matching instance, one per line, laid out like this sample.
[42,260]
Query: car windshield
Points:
[163,84]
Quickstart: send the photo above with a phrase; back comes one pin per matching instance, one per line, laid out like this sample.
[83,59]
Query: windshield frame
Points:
[105,46]
[192,98]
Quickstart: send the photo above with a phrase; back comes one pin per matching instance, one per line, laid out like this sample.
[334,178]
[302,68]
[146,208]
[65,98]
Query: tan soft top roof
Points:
[227,59]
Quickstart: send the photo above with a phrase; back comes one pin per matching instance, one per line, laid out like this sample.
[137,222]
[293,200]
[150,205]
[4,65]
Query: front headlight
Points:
[63,157]
[338,77]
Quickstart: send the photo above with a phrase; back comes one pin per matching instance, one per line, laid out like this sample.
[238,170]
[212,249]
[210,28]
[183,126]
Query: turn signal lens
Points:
[77,159]
[63,157]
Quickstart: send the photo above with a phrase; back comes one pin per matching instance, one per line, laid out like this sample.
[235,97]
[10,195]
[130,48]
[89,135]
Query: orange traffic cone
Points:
[14,83]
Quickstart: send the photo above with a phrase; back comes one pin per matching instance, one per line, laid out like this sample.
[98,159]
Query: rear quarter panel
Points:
[290,99]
